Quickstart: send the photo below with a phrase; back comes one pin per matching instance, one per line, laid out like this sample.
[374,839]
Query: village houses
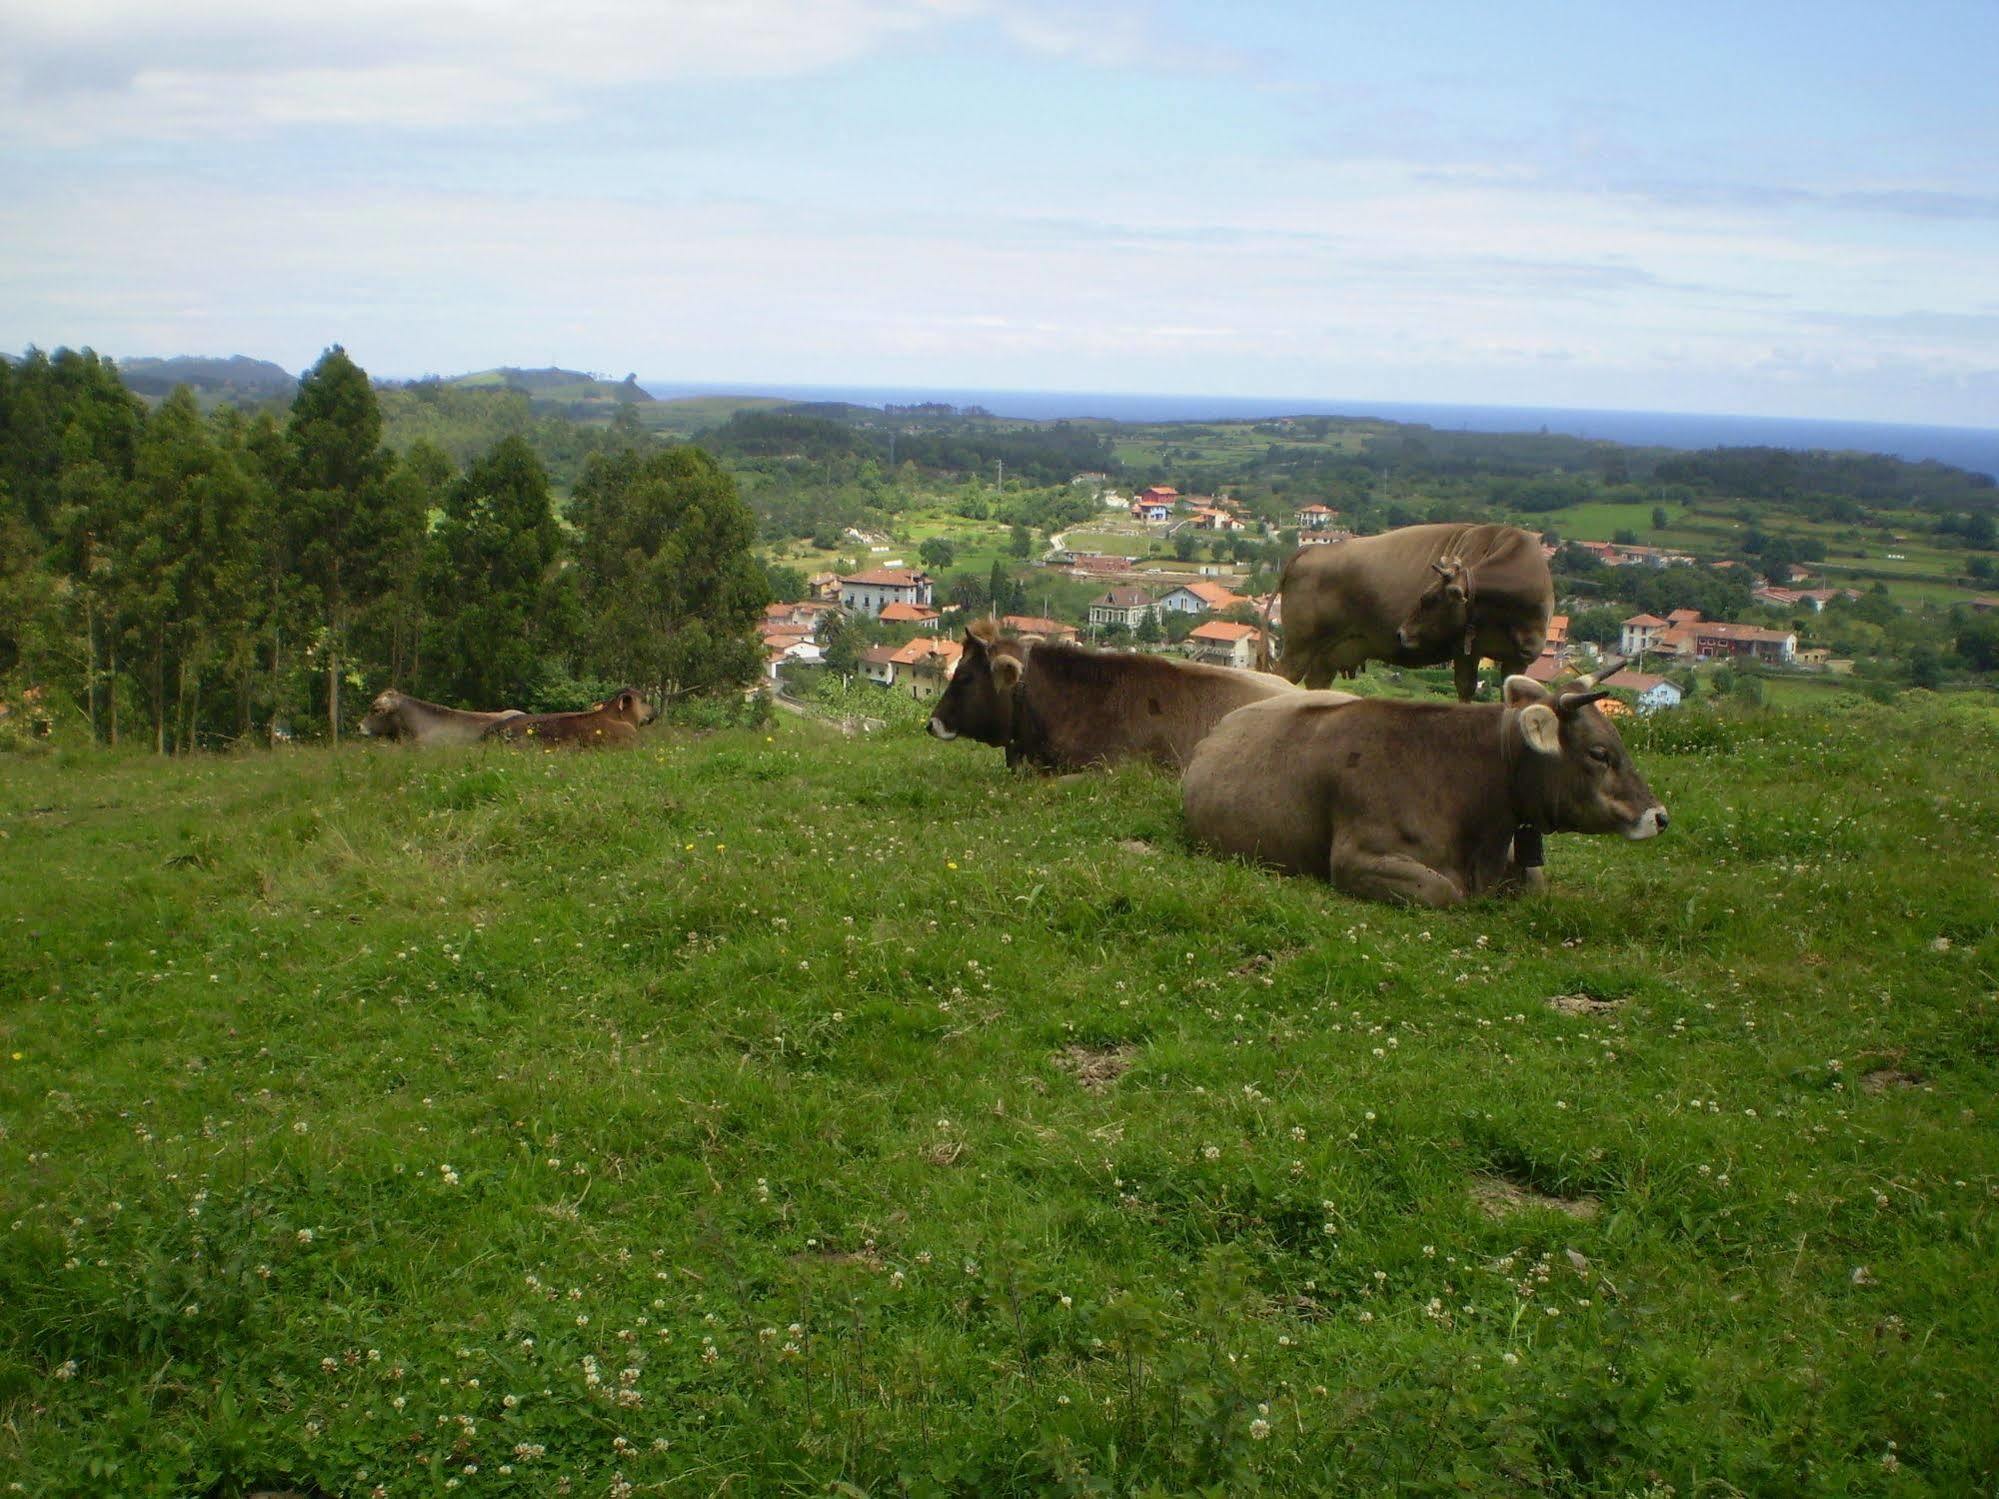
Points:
[1652,692]
[1684,634]
[871,592]
[1225,643]
[1199,598]
[923,666]
[1037,627]
[1314,517]
[1123,607]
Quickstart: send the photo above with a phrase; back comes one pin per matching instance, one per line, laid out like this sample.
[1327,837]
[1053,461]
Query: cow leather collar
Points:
[1469,578]
[1527,832]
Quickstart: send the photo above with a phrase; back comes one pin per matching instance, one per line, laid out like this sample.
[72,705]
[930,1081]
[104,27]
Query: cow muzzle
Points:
[938,731]
[1651,822]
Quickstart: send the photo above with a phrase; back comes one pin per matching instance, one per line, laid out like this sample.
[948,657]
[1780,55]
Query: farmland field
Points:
[778,1113]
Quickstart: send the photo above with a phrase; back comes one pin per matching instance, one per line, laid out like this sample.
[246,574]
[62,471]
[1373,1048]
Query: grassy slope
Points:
[728,1035]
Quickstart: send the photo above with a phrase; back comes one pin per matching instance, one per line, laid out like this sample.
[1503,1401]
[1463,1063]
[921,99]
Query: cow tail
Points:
[1263,635]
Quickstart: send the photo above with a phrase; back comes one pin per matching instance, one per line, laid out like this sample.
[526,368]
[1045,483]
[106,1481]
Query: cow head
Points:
[383,720]
[630,705]
[1576,768]
[978,703]
[1442,614]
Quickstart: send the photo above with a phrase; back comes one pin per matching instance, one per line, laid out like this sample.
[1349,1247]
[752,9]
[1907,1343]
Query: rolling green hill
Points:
[237,379]
[565,387]
[807,1115]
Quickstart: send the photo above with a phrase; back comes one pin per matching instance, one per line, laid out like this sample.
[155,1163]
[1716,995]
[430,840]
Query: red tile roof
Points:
[1631,681]
[901,613]
[1034,624]
[888,577]
[1221,629]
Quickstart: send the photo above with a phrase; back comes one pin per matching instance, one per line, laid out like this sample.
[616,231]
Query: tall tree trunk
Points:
[159,696]
[180,706]
[111,685]
[336,617]
[90,665]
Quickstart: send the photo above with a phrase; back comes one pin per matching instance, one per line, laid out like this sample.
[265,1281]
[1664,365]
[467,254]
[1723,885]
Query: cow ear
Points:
[1006,672]
[1520,691]
[1541,727]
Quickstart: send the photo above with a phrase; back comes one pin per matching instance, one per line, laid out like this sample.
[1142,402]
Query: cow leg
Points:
[1465,670]
[1395,878]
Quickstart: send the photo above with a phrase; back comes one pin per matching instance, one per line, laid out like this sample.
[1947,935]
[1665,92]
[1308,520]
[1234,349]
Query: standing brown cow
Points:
[612,724]
[1062,707]
[1416,597]
[1422,803]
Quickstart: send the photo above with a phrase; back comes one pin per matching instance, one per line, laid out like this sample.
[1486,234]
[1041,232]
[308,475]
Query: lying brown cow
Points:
[397,715]
[1063,707]
[1416,597]
[1410,801]
[612,724]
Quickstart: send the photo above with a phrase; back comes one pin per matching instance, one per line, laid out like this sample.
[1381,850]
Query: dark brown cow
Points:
[1062,707]
[1409,801]
[1416,597]
[612,724]
[397,715]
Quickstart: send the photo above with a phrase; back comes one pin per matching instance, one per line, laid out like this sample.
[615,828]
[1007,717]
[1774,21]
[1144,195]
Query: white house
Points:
[1315,517]
[1125,607]
[1198,598]
[1653,693]
[1641,633]
[871,592]
[1225,643]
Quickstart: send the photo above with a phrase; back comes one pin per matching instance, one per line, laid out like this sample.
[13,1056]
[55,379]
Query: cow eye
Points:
[1599,754]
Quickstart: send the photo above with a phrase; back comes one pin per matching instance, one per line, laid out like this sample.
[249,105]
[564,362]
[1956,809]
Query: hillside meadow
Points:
[772,1112]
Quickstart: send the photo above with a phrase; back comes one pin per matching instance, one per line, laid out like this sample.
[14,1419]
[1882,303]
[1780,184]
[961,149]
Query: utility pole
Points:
[999,483]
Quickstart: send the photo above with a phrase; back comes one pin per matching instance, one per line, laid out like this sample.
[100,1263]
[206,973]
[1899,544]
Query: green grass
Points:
[369,1116]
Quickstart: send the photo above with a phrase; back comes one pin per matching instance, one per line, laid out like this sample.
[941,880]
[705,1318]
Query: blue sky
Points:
[1760,207]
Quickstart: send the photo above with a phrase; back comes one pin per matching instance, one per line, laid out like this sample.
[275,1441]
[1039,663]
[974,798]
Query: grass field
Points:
[777,1113]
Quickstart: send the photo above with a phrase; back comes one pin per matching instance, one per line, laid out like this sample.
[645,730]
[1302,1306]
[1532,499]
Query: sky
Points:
[1763,207]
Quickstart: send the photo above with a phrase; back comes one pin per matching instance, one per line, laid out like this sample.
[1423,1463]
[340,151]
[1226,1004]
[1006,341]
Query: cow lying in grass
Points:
[397,715]
[1414,802]
[1062,707]
[612,724]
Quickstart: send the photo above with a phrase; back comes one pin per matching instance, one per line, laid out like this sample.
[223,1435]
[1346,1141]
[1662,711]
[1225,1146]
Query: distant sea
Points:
[1973,448]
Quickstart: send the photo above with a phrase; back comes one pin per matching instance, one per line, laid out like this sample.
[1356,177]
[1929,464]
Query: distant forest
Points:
[199,579]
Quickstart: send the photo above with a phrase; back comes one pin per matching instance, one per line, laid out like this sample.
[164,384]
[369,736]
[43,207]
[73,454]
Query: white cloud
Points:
[93,70]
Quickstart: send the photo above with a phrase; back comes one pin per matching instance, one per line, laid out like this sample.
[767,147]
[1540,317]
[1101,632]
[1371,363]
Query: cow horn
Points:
[1572,701]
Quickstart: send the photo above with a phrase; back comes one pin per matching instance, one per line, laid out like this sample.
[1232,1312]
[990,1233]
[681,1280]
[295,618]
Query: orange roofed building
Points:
[1226,643]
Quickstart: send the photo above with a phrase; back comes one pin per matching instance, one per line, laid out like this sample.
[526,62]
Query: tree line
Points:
[198,580]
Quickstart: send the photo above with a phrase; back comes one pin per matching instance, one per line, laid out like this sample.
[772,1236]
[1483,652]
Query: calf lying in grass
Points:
[612,724]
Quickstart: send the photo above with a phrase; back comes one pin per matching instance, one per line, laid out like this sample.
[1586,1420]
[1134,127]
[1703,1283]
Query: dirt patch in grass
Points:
[1582,1004]
[1883,1079]
[1497,1197]
[945,1153]
[1135,845]
[824,1254]
[1095,1068]
[1256,965]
